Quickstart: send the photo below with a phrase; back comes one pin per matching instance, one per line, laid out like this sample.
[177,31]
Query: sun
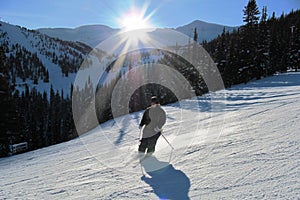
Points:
[133,22]
[135,29]
[134,19]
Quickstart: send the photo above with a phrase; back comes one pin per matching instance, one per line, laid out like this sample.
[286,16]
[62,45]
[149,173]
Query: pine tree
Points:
[195,46]
[263,51]
[275,53]
[195,35]
[46,78]
[221,54]
[293,40]
[251,13]
[232,72]
[248,68]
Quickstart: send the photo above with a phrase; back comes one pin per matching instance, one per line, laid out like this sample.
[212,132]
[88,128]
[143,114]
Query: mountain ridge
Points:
[88,34]
[94,34]
[206,31]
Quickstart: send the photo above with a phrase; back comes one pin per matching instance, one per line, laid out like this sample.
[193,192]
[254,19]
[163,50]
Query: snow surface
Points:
[243,146]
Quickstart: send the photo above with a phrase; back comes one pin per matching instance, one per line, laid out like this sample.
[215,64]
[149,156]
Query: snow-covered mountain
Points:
[94,34]
[206,31]
[39,61]
[91,35]
[59,52]
[246,149]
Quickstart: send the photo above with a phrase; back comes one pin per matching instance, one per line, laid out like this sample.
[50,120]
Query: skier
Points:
[153,119]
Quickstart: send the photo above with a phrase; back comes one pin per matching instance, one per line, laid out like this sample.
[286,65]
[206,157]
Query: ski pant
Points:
[148,143]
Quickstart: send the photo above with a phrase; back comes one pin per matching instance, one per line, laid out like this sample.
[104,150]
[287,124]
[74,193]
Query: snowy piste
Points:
[256,155]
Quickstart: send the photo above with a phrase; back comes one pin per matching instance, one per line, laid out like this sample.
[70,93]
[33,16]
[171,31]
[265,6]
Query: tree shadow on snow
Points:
[167,182]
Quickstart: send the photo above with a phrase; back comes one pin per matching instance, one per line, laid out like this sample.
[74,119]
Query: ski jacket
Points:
[154,118]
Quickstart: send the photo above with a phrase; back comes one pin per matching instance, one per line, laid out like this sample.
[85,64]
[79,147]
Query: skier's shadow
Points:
[166,182]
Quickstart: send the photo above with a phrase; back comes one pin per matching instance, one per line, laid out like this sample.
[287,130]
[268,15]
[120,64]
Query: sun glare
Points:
[133,22]
[134,19]
[135,29]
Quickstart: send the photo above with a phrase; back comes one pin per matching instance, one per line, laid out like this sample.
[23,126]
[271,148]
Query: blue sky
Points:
[164,13]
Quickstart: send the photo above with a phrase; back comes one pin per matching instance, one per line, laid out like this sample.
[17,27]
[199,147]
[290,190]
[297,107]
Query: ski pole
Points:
[141,135]
[167,141]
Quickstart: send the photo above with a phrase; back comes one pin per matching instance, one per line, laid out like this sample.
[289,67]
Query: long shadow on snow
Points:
[122,132]
[168,182]
[125,124]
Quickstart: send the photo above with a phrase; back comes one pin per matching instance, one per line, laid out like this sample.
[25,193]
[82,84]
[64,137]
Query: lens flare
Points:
[135,19]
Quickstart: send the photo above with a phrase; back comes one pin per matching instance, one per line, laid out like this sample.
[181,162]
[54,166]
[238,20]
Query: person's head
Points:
[154,100]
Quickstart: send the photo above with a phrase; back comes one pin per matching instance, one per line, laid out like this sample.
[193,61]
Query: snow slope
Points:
[41,44]
[247,149]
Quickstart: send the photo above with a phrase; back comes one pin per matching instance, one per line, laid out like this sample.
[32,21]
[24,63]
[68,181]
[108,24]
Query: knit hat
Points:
[154,99]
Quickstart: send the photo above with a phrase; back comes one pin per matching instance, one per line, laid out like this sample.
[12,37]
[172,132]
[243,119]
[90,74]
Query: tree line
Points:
[261,47]
[33,117]
[27,115]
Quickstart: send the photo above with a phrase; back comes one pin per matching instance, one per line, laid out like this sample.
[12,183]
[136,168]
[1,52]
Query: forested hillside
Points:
[36,75]
[263,46]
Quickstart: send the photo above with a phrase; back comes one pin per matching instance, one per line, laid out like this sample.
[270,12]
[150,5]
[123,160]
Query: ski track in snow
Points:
[249,149]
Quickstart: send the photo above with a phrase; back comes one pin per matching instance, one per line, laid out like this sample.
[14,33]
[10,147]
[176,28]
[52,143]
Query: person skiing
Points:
[153,119]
